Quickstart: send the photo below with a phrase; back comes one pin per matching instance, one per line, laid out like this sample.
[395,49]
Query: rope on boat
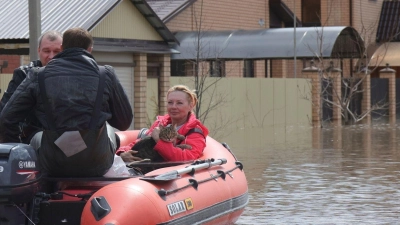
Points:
[41,196]
[26,216]
[85,196]
[195,183]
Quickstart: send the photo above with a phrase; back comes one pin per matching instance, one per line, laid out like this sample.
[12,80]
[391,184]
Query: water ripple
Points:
[310,181]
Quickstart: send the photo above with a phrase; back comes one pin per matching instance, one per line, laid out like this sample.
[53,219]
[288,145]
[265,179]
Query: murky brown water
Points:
[348,175]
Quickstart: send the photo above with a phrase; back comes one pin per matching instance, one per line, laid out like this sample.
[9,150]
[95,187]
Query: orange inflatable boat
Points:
[212,190]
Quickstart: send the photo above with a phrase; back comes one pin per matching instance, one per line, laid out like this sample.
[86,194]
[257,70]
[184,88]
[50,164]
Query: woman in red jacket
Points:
[180,103]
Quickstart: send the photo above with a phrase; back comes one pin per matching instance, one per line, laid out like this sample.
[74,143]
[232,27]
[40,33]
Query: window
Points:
[217,68]
[177,68]
[248,68]
[311,13]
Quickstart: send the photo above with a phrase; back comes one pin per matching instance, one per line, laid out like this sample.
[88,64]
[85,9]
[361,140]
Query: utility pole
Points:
[35,27]
[294,37]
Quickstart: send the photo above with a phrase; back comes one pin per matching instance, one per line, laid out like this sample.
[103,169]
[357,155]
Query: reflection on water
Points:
[346,175]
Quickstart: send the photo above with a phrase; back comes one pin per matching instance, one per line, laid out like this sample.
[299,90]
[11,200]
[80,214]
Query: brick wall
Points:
[234,68]
[222,15]
[335,13]
[164,83]
[259,68]
[289,64]
[14,61]
[140,84]
[346,67]
[312,73]
[366,18]
[279,69]
[204,68]
[390,74]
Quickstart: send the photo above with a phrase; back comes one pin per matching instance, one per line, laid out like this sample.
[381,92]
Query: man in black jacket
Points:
[49,46]
[76,101]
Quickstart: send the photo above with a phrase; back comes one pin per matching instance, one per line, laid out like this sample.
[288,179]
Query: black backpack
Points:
[79,153]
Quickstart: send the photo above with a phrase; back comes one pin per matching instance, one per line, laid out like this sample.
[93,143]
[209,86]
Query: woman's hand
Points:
[155,134]
[129,156]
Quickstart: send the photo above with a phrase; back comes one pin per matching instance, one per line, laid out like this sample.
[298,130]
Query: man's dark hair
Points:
[77,38]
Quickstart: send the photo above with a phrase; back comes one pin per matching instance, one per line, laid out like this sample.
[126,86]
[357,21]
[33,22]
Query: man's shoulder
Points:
[109,69]
[109,72]
[33,72]
[25,68]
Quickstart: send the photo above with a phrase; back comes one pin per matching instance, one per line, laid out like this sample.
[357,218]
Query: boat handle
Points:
[99,207]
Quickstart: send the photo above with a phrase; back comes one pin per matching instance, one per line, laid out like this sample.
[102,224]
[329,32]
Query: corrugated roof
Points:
[154,20]
[343,42]
[56,15]
[389,22]
[167,9]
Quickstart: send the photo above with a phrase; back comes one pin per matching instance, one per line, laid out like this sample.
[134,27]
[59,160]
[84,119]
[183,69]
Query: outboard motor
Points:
[19,180]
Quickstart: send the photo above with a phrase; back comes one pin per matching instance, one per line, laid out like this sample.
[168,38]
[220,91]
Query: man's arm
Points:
[17,109]
[18,76]
[120,107]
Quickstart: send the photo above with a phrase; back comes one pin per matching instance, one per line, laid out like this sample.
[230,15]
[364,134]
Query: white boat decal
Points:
[176,207]
[212,212]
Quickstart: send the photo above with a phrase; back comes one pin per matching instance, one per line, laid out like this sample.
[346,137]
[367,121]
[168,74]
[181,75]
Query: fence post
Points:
[366,95]
[312,73]
[390,74]
[335,75]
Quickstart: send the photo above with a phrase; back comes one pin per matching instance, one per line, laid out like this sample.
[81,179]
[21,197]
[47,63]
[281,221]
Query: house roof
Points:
[61,15]
[56,15]
[311,42]
[386,53]
[154,20]
[389,22]
[167,9]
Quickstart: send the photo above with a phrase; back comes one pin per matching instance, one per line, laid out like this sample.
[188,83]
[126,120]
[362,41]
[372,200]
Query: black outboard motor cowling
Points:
[19,173]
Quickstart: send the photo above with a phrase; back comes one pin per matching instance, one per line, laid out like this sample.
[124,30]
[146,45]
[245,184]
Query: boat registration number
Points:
[179,207]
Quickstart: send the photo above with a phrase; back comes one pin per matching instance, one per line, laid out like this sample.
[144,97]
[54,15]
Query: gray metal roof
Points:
[342,42]
[63,14]
[155,21]
[167,9]
[56,15]
[389,26]
[113,45]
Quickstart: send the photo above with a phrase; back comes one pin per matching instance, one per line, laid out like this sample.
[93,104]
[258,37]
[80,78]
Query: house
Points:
[387,48]
[185,17]
[256,38]
[127,34]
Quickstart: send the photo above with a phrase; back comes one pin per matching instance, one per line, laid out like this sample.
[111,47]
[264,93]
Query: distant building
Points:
[232,15]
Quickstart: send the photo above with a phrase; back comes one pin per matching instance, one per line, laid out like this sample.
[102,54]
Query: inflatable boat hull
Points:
[214,195]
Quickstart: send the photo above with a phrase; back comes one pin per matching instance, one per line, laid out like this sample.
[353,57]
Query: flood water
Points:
[347,175]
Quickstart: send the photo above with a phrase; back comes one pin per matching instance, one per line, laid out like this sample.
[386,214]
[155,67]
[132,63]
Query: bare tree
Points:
[353,85]
[207,75]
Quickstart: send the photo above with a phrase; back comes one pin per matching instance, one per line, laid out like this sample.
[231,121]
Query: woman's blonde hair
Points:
[192,97]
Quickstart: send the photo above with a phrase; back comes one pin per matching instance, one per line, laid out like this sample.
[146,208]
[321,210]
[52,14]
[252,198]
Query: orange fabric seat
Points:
[127,137]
